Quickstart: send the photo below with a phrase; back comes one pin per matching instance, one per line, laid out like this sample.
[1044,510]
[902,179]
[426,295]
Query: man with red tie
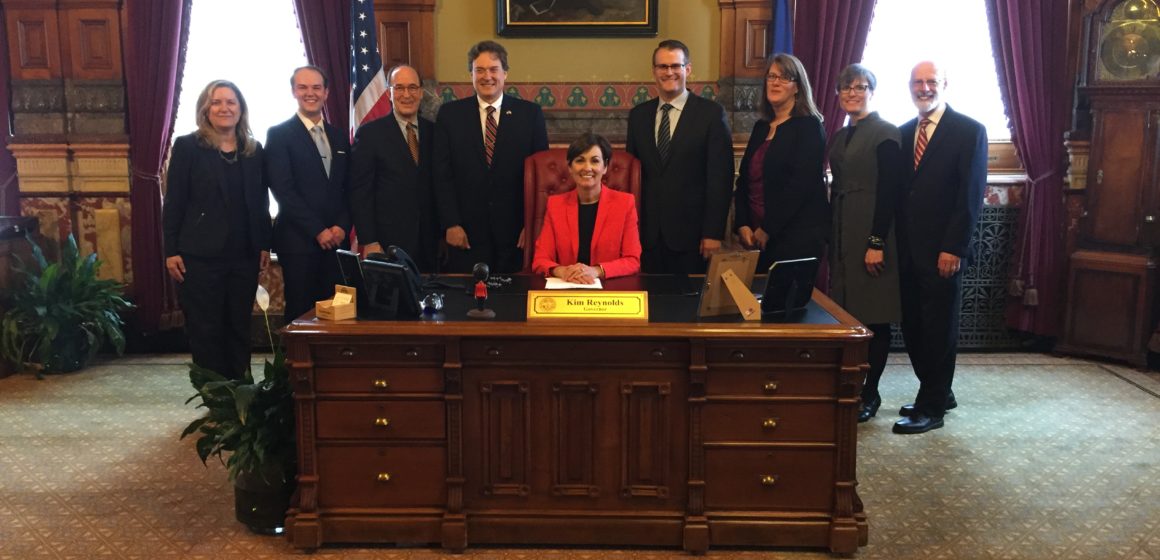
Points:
[480,146]
[937,212]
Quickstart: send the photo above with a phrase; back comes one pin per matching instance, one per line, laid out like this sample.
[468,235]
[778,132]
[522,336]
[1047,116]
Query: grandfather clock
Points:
[1111,300]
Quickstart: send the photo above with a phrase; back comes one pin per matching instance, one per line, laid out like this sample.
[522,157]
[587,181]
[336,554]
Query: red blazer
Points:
[615,238]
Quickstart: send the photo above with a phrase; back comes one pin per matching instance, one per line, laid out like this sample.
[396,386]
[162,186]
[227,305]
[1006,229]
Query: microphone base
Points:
[481,314]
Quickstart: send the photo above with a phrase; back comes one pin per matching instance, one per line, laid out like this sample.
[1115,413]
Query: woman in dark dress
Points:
[216,222]
[780,204]
[866,160]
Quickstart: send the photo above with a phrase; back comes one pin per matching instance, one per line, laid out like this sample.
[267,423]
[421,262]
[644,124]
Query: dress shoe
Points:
[917,424]
[869,409]
[908,409]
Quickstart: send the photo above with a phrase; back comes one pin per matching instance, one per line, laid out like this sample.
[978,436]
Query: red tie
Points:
[920,145]
[489,134]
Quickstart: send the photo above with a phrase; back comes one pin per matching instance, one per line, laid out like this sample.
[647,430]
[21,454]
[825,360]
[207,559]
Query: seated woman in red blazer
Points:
[590,232]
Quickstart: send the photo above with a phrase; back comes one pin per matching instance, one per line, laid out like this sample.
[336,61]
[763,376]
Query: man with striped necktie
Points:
[391,198]
[938,208]
[480,146]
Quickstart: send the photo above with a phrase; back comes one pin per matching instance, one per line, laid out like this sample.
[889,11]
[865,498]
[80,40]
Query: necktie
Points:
[663,134]
[920,144]
[320,143]
[489,134]
[413,142]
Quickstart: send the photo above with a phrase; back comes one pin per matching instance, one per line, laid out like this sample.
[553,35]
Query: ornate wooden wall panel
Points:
[92,45]
[35,44]
[407,34]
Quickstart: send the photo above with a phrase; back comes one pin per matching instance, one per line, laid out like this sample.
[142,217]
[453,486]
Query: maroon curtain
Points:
[325,28]
[829,35]
[156,33]
[1029,38]
[9,194]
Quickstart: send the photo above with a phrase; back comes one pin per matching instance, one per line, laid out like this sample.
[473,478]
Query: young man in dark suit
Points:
[391,199]
[480,146]
[686,168]
[306,161]
[938,209]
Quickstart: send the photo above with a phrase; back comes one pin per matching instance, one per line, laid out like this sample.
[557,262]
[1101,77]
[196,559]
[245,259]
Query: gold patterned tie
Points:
[489,134]
[413,142]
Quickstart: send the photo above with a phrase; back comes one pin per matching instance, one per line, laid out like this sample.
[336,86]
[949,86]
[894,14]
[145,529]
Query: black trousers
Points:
[660,259]
[217,298]
[500,259]
[308,278]
[930,326]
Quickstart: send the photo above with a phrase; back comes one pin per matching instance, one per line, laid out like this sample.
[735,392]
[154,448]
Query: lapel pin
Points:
[508,112]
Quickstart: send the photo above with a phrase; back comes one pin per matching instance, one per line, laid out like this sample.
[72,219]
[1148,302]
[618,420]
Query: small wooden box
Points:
[328,310]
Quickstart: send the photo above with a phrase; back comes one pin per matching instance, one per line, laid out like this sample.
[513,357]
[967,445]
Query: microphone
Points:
[480,272]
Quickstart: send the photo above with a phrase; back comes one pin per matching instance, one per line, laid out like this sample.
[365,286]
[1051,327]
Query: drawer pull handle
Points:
[769,423]
[384,422]
[738,355]
[412,353]
[384,477]
[658,353]
[806,354]
[381,384]
[766,480]
[493,352]
[346,352]
[770,387]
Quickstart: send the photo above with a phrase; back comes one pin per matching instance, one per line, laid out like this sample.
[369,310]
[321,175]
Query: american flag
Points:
[368,82]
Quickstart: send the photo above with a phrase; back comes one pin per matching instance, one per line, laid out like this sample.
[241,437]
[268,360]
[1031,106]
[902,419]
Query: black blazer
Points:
[194,218]
[687,198]
[940,201]
[470,194]
[308,201]
[797,213]
[391,198]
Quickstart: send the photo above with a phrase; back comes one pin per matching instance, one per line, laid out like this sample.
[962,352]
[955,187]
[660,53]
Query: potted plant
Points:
[59,317]
[252,421]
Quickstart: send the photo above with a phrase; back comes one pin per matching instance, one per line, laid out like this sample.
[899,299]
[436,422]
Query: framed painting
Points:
[576,18]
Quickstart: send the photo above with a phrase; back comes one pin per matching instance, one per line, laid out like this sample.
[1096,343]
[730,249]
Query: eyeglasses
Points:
[852,89]
[409,88]
[779,79]
[668,67]
[929,83]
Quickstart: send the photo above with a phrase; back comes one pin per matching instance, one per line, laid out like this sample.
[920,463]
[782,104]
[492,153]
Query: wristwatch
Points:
[875,242]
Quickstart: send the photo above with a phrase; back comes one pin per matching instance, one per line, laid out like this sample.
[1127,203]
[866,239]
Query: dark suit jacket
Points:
[940,201]
[488,202]
[797,213]
[308,201]
[687,198]
[194,218]
[615,238]
[391,197]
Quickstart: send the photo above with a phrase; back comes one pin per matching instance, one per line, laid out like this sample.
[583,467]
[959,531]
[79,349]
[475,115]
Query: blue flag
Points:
[782,27]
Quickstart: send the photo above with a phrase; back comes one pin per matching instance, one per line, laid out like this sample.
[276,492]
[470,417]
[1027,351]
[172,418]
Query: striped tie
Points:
[920,144]
[413,142]
[489,134]
[663,135]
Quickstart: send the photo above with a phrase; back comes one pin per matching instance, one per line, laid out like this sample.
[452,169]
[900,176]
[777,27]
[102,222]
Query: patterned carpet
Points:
[1045,458]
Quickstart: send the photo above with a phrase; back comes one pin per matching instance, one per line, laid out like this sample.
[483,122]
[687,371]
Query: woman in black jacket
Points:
[216,222]
[780,204]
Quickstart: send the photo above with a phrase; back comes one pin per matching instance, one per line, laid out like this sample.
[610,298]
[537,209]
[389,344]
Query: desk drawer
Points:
[775,422]
[636,352]
[770,381]
[394,353]
[798,479]
[378,380]
[754,354]
[383,476]
[381,420]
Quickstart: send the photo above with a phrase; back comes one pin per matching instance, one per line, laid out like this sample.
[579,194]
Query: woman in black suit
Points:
[216,221]
[780,204]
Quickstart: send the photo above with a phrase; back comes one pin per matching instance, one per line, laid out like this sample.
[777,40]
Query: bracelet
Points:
[600,274]
[875,242]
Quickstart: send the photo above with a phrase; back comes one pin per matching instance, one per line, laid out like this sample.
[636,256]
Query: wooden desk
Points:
[668,434]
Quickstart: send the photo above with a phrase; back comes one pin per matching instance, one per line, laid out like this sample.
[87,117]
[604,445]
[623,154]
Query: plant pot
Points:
[260,502]
[70,351]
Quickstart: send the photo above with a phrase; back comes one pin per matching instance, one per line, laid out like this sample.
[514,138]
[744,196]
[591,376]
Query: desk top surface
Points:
[673,305]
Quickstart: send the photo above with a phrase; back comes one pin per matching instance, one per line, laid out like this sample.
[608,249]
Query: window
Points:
[957,37]
[253,43]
